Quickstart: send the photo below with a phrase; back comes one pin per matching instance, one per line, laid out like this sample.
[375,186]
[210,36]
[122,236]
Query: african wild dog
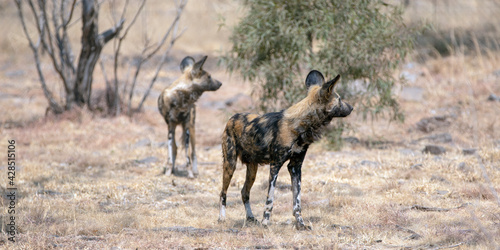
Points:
[274,138]
[177,106]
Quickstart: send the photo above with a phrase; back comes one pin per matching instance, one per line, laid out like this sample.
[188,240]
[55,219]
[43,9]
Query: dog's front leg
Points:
[295,170]
[273,175]
[172,150]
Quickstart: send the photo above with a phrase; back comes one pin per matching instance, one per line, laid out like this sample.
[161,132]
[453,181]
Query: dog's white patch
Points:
[222,213]
[170,151]
[195,165]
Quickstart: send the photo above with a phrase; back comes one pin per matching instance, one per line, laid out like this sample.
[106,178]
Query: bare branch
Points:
[173,27]
[163,60]
[125,10]
[72,10]
[436,209]
[54,106]
[46,38]
[117,50]
[109,34]
[103,69]
[66,45]
[49,44]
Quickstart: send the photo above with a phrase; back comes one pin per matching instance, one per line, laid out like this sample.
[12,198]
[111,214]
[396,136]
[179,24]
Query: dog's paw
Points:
[252,220]
[167,171]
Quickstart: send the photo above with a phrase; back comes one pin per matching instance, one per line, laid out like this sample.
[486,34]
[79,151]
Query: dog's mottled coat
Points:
[176,104]
[277,137]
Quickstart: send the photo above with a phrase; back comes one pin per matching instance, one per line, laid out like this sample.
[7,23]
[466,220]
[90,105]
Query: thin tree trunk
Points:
[92,44]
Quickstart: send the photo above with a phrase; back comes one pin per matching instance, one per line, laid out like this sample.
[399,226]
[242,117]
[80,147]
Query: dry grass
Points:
[83,184]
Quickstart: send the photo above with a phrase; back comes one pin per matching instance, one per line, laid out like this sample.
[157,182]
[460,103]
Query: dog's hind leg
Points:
[172,150]
[230,156]
[188,139]
[192,141]
[245,191]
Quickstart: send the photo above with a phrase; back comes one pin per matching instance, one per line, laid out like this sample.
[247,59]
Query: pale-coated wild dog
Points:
[176,104]
[277,137]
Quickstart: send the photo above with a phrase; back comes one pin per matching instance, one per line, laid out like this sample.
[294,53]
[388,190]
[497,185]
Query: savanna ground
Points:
[88,181]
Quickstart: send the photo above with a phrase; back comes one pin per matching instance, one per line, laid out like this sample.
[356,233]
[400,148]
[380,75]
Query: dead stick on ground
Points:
[447,247]
[436,209]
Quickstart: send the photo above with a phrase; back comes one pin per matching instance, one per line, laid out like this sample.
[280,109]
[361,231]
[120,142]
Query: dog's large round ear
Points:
[314,78]
[197,68]
[186,62]
[328,88]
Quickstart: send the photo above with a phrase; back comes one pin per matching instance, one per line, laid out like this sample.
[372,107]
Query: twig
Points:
[450,246]
[163,60]
[118,47]
[436,209]
[173,28]
[413,236]
[429,209]
[54,106]
[103,69]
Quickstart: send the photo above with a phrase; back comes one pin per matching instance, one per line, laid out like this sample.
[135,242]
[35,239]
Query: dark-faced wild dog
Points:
[277,137]
[177,106]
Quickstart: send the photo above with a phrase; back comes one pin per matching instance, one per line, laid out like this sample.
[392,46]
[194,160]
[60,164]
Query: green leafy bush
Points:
[279,41]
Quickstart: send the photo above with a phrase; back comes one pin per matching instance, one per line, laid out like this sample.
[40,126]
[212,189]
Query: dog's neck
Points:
[187,91]
[306,118]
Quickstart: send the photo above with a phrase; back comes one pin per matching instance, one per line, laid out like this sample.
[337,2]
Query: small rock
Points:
[369,163]
[351,139]
[417,166]
[437,178]
[462,166]
[148,160]
[494,98]
[442,192]
[430,124]
[434,149]
[407,151]
[469,151]
[142,143]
